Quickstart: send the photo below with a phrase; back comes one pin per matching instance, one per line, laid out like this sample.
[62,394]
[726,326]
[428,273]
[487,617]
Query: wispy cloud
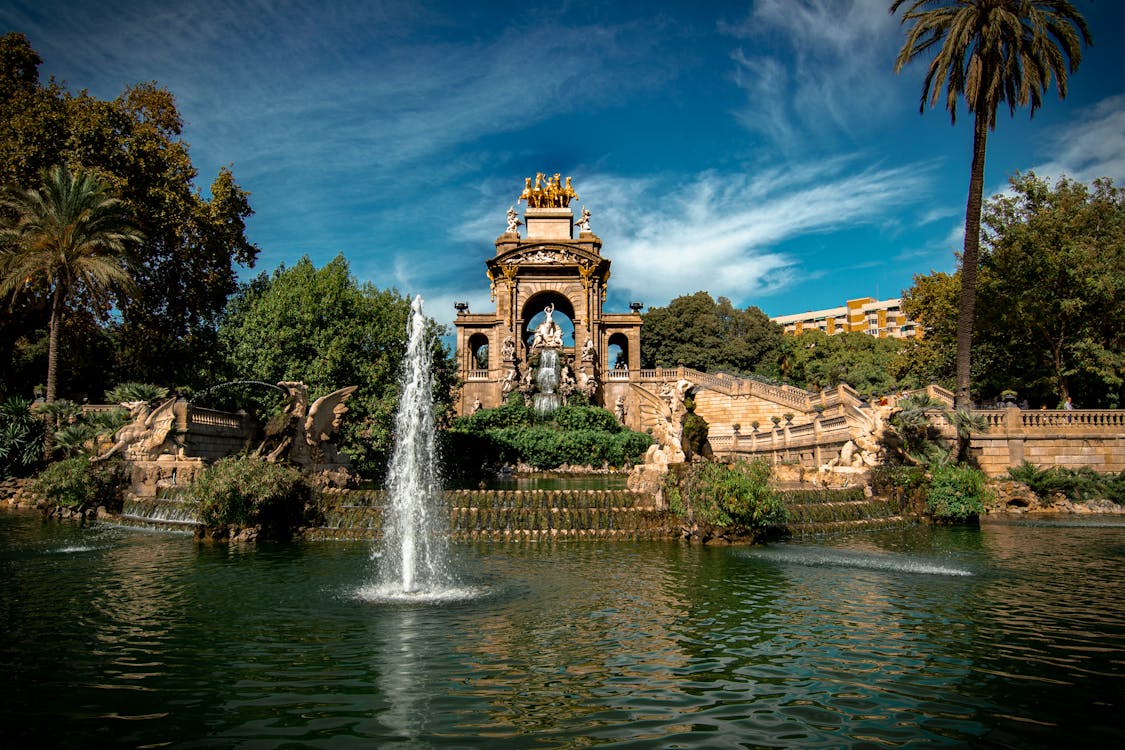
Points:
[721,232]
[1090,146]
[814,67]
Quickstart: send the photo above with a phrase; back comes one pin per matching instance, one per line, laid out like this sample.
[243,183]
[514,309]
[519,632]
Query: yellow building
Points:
[882,318]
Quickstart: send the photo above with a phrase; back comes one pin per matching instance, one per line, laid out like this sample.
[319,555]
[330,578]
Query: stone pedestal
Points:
[549,223]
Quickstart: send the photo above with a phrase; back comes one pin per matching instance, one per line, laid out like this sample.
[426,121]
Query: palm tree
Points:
[989,52]
[67,238]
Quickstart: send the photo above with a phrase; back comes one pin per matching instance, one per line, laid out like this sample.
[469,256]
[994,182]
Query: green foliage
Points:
[123,393]
[74,439]
[184,269]
[697,332]
[80,484]
[1052,291]
[321,327]
[695,434]
[21,438]
[244,491]
[585,418]
[737,497]
[513,433]
[922,441]
[898,476]
[65,241]
[956,493]
[1078,485]
[931,303]
[815,360]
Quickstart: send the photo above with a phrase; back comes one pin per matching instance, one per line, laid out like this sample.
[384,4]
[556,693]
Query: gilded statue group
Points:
[547,192]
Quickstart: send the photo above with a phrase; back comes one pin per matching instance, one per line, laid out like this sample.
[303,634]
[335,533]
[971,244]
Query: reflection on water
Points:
[1012,635]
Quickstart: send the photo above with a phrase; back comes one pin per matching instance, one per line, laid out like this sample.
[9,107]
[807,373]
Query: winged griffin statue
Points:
[147,434]
[303,433]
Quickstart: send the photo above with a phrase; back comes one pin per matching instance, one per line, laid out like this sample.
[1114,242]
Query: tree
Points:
[321,327]
[817,360]
[1053,281]
[186,264]
[990,52]
[67,239]
[932,303]
[697,332]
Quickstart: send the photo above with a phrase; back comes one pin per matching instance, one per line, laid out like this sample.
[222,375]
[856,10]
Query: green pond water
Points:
[1011,635]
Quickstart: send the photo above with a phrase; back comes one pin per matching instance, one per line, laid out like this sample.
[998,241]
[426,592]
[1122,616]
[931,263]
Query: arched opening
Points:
[478,352]
[617,355]
[533,315]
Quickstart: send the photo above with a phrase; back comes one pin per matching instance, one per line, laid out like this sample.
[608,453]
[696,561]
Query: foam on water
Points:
[843,559]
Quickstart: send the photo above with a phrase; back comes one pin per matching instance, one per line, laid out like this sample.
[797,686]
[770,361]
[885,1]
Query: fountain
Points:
[414,550]
[548,340]
[547,378]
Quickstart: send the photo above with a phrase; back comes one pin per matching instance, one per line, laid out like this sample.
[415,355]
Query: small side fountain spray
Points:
[415,546]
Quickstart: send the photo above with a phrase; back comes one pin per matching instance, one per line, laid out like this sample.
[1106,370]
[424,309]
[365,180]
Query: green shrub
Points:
[956,493]
[1078,485]
[126,392]
[585,418]
[244,491]
[22,436]
[897,476]
[80,484]
[577,435]
[736,496]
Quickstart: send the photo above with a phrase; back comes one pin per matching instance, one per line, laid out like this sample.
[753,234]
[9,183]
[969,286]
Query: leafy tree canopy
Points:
[932,304]
[1053,284]
[321,327]
[696,331]
[817,360]
[1051,322]
[192,244]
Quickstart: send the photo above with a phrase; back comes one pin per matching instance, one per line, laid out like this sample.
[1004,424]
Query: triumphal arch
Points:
[548,273]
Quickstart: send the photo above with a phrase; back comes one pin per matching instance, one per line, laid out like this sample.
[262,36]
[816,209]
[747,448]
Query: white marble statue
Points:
[549,333]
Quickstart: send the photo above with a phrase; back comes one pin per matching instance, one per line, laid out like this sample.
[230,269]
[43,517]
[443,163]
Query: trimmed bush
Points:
[243,491]
[577,435]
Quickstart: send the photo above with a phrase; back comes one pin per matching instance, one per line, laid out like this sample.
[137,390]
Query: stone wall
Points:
[1085,438]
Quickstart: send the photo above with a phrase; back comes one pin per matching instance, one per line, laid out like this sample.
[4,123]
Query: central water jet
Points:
[415,546]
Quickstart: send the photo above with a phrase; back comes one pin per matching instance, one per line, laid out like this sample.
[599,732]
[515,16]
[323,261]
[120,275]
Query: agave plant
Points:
[21,437]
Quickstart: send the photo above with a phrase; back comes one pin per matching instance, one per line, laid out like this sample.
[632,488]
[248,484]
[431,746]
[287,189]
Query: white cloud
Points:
[816,67]
[1091,146]
[719,232]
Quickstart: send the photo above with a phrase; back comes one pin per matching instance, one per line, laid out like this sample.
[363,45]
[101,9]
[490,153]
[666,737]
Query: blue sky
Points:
[761,150]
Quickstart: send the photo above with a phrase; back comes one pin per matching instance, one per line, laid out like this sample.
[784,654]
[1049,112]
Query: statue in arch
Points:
[549,333]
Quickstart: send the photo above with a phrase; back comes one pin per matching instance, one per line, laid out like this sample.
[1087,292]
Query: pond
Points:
[1011,635]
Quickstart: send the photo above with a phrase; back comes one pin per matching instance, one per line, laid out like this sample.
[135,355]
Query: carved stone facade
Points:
[549,268]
